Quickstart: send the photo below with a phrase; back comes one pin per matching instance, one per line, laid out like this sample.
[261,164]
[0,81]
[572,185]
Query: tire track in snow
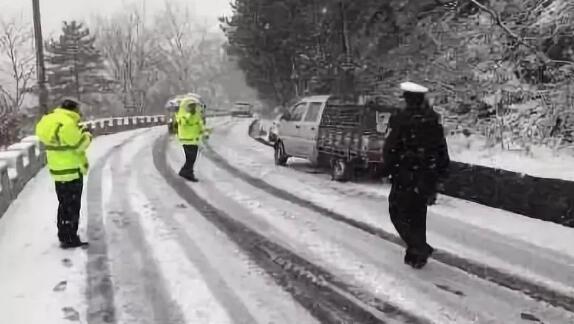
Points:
[551,269]
[99,290]
[99,287]
[153,302]
[222,292]
[533,290]
[366,257]
[326,298]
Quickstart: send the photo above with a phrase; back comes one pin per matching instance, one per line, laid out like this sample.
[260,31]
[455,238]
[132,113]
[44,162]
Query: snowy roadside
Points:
[541,162]
[40,282]
[477,232]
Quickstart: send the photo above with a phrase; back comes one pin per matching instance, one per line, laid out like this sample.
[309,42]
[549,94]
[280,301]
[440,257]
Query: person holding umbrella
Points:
[191,131]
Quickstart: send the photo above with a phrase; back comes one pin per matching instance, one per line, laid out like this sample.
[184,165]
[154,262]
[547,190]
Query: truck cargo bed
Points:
[354,132]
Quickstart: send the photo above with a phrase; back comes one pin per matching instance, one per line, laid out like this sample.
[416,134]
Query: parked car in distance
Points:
[242,109]
[328,131]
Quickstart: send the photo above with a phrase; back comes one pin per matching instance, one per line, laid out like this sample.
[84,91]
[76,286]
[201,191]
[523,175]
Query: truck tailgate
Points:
[345,142]
[354,131]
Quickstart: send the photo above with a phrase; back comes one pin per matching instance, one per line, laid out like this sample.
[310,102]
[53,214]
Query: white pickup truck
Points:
[331,132]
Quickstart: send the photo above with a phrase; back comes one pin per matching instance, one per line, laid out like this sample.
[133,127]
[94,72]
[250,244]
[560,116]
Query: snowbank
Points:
[540,162]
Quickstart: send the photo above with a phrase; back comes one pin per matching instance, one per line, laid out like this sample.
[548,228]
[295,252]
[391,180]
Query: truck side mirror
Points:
[285,116]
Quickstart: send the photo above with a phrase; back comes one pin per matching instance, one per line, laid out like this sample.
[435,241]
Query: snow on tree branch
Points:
[498,20]
[16,49]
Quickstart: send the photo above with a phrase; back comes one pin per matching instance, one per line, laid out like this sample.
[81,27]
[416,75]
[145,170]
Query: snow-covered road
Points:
[256,243]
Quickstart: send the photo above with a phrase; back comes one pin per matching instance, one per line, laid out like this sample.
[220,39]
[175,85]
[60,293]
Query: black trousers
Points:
[70,199]
[190,157]
[408,210]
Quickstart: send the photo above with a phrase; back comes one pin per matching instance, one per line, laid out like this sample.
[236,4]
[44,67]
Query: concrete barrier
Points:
[16,170]
[21,161]
[5,188]
[541,198]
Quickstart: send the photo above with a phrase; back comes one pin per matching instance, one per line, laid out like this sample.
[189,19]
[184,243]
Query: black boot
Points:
[192,177]
[189,177]
[417,260]
[73,243]
[430,251]
[410,257]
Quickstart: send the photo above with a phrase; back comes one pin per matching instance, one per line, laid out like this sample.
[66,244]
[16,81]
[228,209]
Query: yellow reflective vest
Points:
[65,144]
[190,127]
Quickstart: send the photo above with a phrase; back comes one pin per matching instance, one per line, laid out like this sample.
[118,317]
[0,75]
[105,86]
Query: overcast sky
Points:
[56,11]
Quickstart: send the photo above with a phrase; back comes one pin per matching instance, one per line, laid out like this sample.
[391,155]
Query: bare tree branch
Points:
[131,51]
[16,46]
[496,17]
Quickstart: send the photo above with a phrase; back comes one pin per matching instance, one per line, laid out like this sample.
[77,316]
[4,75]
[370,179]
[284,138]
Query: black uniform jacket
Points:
[415,153]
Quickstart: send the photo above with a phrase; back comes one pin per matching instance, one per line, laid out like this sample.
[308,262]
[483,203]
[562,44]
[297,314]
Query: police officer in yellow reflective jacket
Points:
[66,143]
[190,132]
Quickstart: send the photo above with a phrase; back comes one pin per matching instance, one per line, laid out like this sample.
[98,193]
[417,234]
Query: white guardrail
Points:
[21,161]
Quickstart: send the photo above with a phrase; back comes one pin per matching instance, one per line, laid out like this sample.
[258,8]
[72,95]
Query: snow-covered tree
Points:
[75,66]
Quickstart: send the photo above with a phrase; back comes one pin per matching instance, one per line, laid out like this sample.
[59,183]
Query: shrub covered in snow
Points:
[9,128]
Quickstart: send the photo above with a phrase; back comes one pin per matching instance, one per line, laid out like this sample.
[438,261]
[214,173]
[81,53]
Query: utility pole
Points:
[346,88]
[40,68]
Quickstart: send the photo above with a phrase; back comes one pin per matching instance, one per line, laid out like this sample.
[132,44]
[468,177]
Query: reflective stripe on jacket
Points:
[190,128]
[65,144]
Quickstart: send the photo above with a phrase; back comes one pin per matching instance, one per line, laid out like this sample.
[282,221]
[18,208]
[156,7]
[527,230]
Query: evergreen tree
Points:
[267,38]
[75,66]
[296,47]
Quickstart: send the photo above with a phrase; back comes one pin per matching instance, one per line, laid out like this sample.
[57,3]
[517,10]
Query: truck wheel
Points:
[280,156]
[340,170]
